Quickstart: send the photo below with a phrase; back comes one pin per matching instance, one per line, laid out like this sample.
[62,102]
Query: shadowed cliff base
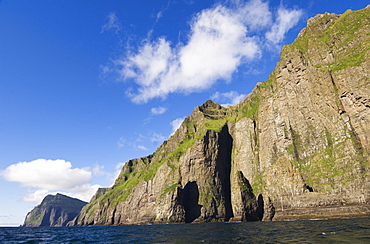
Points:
[190,201]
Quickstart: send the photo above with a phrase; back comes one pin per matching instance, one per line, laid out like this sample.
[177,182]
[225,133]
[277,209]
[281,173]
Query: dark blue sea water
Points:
[318,231]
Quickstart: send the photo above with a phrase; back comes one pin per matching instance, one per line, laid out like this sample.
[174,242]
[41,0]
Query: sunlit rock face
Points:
[297,147]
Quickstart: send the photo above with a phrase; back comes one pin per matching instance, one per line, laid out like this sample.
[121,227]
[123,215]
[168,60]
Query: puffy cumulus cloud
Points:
[158,110]
[47,174]
[44,176]
[228,98]
[84,192]
[175,124]
[146,66]
[36,196]
[218,43]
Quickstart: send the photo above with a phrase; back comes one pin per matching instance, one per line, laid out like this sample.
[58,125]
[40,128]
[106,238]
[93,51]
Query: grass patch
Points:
[355,59]
[323,169]
[123,188]
[215,125]
[259,185]
[170,188]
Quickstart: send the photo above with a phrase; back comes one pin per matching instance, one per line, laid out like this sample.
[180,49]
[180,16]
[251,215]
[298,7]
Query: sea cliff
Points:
[297,147]
[54,211]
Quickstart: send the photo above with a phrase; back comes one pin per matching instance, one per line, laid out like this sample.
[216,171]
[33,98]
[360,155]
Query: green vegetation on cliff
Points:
[303,130]
[342,36]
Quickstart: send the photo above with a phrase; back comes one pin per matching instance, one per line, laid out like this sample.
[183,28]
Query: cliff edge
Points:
[297,147]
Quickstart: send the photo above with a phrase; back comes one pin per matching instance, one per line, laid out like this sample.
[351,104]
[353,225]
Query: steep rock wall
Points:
[297,147]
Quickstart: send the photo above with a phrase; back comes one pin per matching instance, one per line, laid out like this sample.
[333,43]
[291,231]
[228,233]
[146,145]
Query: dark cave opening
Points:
[190,201]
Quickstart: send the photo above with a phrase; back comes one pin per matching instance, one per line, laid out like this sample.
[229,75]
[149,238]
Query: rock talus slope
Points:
[297,147]
[54,211]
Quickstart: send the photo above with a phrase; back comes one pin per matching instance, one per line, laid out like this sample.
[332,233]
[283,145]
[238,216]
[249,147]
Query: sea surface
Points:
[310,231]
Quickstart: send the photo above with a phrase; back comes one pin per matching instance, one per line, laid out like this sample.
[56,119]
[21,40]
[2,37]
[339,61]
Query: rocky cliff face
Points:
[53,211]
[297,147]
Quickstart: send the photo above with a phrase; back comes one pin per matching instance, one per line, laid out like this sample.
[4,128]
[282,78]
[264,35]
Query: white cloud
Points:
[141,147]
[119,165]
[221,39]
[98,170]
[255,13]
[286,19]
[118,169]
[228,98]
[158,110]
[217,45]
[143,141]
[175,124]
[155,137]
[36,196]
[160,13]
[44,177]
[112,24]
[189,2]
[84,193]
[46,174]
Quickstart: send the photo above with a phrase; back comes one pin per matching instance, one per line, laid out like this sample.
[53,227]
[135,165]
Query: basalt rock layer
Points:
[297,147]
[54,211]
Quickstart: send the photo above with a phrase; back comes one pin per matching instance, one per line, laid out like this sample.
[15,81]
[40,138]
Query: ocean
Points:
[300,231]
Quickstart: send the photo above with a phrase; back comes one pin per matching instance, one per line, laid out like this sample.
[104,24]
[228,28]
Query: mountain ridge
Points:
[297,147]
[54,211]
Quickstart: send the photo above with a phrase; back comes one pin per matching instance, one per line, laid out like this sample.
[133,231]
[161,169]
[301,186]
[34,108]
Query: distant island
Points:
[54,211]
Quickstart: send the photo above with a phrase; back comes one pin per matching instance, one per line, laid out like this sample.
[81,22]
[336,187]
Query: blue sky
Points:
[87,85]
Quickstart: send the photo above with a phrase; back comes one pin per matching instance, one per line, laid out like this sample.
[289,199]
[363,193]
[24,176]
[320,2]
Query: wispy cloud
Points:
[228,98]
[142,142]
[121,142]
[112,24]
[189,2]
[118,169]
[98,170]
[44,176]
[156,137]
[219,42]
[255,14]
[160,13]
[286,19]
[158,110]
[141,147]
[175,124]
